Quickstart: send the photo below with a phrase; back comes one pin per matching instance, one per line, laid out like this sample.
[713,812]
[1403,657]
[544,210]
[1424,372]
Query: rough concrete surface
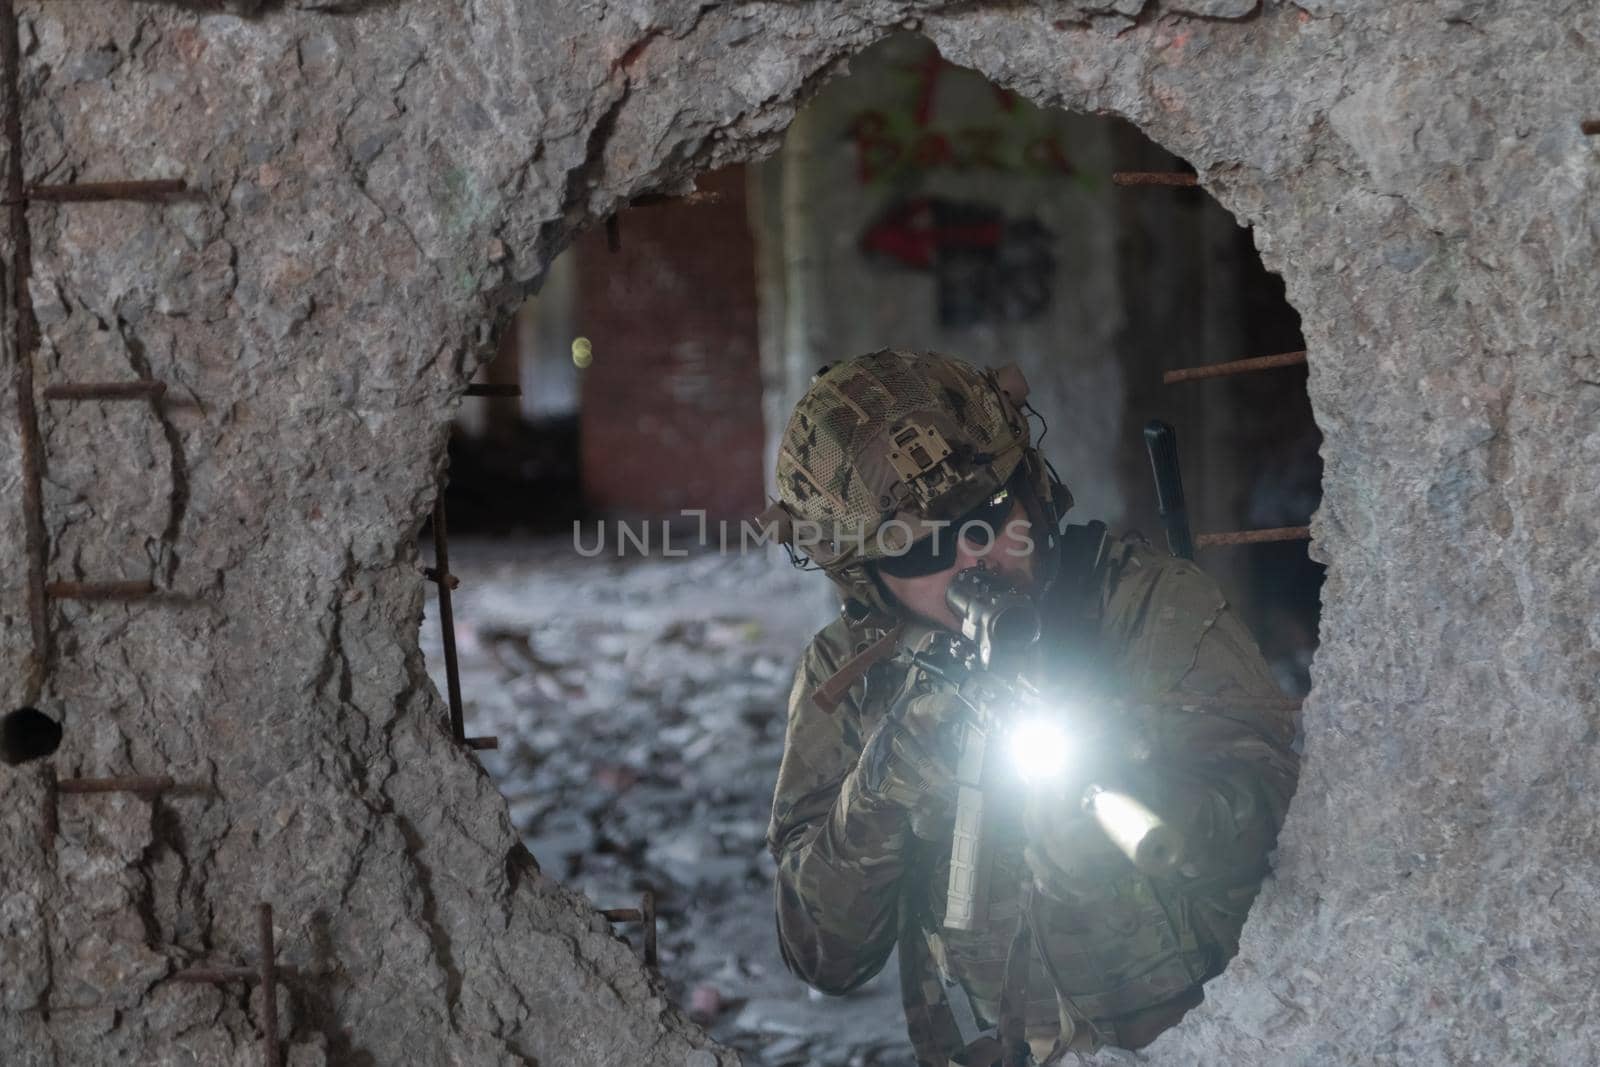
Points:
[1415,171]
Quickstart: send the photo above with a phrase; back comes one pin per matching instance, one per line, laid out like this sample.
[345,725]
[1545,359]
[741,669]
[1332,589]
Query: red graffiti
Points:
[928,70]
[985,267]
[909,234]
[882,148]
[879,151]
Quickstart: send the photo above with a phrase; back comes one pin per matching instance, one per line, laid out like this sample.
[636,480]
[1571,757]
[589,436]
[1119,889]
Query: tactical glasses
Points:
[937,551]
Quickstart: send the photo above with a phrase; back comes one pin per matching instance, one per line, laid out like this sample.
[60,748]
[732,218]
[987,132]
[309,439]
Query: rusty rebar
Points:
[216,975]
[432,574]
[697,198]
[106,391]
[613,234]
[648,907]
[447,620]
[482,743]
[145,785]
[1253,537]
[491,389]
[1172,179]
[24,336]
[99,590]
[1590,127]
[1238,366]
[645,915]
[51,814]
[61,1009]
[157,190]
[269,986]
[265,972]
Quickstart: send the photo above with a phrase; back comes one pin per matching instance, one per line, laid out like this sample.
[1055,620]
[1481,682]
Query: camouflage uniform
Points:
[880,449]
[1109,945]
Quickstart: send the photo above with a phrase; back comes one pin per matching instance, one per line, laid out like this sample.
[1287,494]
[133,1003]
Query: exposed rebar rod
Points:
[269,986]
[1590,127]
[145,785]
[52,806]
[482,743]
[645,915]
[1238,366]
[1172,179]
[99,590]
[648,907]
[157,190]
[1253,537]
[491,389]
[695,199]
[106,391]
[24,339]
[265,971]
[432,574]
[216,975]
[447,620]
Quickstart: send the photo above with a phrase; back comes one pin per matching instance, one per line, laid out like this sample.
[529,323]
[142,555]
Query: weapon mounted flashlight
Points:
[1139,833]
[1040,749]
[1000,624]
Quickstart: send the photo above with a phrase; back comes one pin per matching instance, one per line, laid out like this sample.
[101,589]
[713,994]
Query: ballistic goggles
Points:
[980,525]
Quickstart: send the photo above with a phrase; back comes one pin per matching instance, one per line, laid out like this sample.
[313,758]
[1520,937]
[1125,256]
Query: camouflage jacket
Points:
[1123,950]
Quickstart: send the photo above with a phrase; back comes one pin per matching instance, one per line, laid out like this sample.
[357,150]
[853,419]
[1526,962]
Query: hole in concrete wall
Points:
[635,673]
[28,734]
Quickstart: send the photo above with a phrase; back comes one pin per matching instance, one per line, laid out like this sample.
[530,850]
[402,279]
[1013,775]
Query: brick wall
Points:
[670,413]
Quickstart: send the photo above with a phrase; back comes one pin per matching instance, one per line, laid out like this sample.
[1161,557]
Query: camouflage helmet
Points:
[889,446]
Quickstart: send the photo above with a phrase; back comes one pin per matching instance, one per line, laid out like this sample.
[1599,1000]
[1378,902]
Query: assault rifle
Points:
[983,665]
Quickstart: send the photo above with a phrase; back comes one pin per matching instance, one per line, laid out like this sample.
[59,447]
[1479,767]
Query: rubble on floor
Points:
[640,708]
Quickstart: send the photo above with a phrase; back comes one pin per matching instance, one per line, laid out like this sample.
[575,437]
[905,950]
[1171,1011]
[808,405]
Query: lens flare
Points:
[1039,749]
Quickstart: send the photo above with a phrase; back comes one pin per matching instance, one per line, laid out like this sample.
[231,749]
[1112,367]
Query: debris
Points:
[705,1003]
[640,705]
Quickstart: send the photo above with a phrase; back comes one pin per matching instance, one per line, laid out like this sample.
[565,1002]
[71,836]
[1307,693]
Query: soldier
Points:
[897,471]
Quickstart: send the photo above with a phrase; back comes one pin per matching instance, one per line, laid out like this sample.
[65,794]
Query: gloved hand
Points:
[1069,855]
[1068,852]
[909,760]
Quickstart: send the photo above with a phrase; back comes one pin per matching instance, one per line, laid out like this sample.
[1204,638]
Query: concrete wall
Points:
[1416,173]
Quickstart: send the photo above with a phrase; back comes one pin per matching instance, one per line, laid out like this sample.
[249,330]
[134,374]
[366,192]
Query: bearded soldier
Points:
[898,472]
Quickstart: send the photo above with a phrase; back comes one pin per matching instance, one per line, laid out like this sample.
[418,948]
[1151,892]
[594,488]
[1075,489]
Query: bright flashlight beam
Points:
[1040,750]
[1153,846]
